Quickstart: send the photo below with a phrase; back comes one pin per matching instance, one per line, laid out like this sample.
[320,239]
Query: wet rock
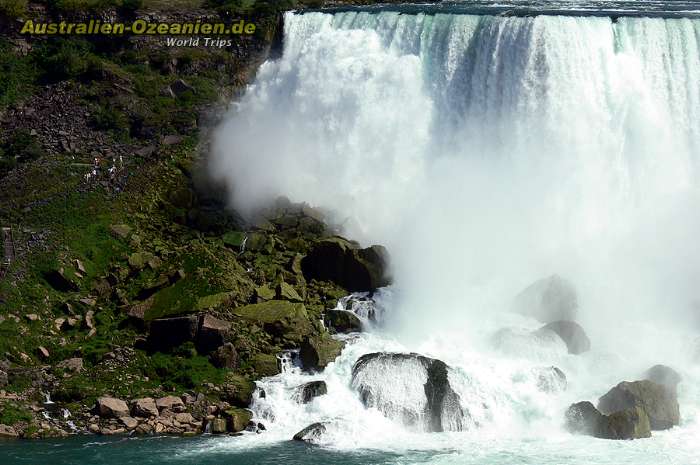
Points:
[547,300]
[145,407]
[572,334]
[311,434]
[338,260]
[217,426]
[317,352]
[385,380]
[225,356]
[584,418]
[665,376]
[343,321]
[172,403]
[265,364]
[659,403]
[308,391]
[285,320]
[237,419]
[550,379]
[111,407]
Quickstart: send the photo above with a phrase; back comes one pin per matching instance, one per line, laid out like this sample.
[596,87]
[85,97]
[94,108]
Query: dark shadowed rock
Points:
[211,333]
[311,433]
[167,333]
[338,260]
[659,403]
[308,391]
[317,352]
[664,375]
[584,418]
[225,356]
[571,333]
[547,300]
[343,321]
[384,380]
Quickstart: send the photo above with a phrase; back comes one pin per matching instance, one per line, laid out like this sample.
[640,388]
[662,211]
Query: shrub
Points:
[13,8]
[22,146]
[109,119]
[64,59]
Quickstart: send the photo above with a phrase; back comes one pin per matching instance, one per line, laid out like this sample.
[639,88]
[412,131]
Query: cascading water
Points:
[485,153]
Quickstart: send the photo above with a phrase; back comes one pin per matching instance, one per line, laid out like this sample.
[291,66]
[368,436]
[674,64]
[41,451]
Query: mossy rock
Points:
[237,419]
[286,291]
[234,239]
[265,364]
[280,318]
[139,260]
[317,352]
[265,292]
[213,301]
[239,390]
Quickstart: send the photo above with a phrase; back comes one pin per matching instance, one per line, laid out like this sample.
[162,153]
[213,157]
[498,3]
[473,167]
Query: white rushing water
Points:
[486,153]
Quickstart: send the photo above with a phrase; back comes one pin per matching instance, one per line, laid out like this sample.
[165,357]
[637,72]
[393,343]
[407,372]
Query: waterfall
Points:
[487,152]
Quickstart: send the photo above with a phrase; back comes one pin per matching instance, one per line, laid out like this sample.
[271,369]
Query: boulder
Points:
[338,260]
[129,422]
[659,403]
[311,434]
[264,293]
[547,300]
[167,333]
[285,320]
[571,333]
[550,379]
[237,419]
[265,364]
[343,321]
[172,403]
[238,390]
[111,407]
[584,418]
[179,87]
[8,432]
[286,291]
[317,352]
[308,391]
[217,426]
[62,280]
[664,375]
[145,407]
[386,380]
[225,356]
[212,333]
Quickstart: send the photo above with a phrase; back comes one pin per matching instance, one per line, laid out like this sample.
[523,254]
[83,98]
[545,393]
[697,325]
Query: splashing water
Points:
[485,153]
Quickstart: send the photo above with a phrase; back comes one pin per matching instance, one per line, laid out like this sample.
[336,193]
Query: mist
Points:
[487,153]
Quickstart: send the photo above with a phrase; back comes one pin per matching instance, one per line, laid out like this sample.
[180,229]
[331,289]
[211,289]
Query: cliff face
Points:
[123,273]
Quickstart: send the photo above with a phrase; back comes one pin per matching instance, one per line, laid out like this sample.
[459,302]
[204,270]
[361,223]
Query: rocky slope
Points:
[134,301]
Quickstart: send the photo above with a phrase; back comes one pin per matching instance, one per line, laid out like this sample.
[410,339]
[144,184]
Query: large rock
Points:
[111,407]
[172,403]
[317,352]
[584,418]
[344,263]
[8,432]
[659,403]
[238,390]
[225,356]
[206,331]
[308,391]
[145,408]
[311,434]
[343,321]
[547,300]
[664,375]
[286,320]
[265,364]
[237,419]
[211,333]
[550,379]
[168,333]
[410,388]
[571,333]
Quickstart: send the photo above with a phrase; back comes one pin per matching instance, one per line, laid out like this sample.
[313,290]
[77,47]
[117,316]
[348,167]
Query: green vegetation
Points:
[11,413]
[13,8]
